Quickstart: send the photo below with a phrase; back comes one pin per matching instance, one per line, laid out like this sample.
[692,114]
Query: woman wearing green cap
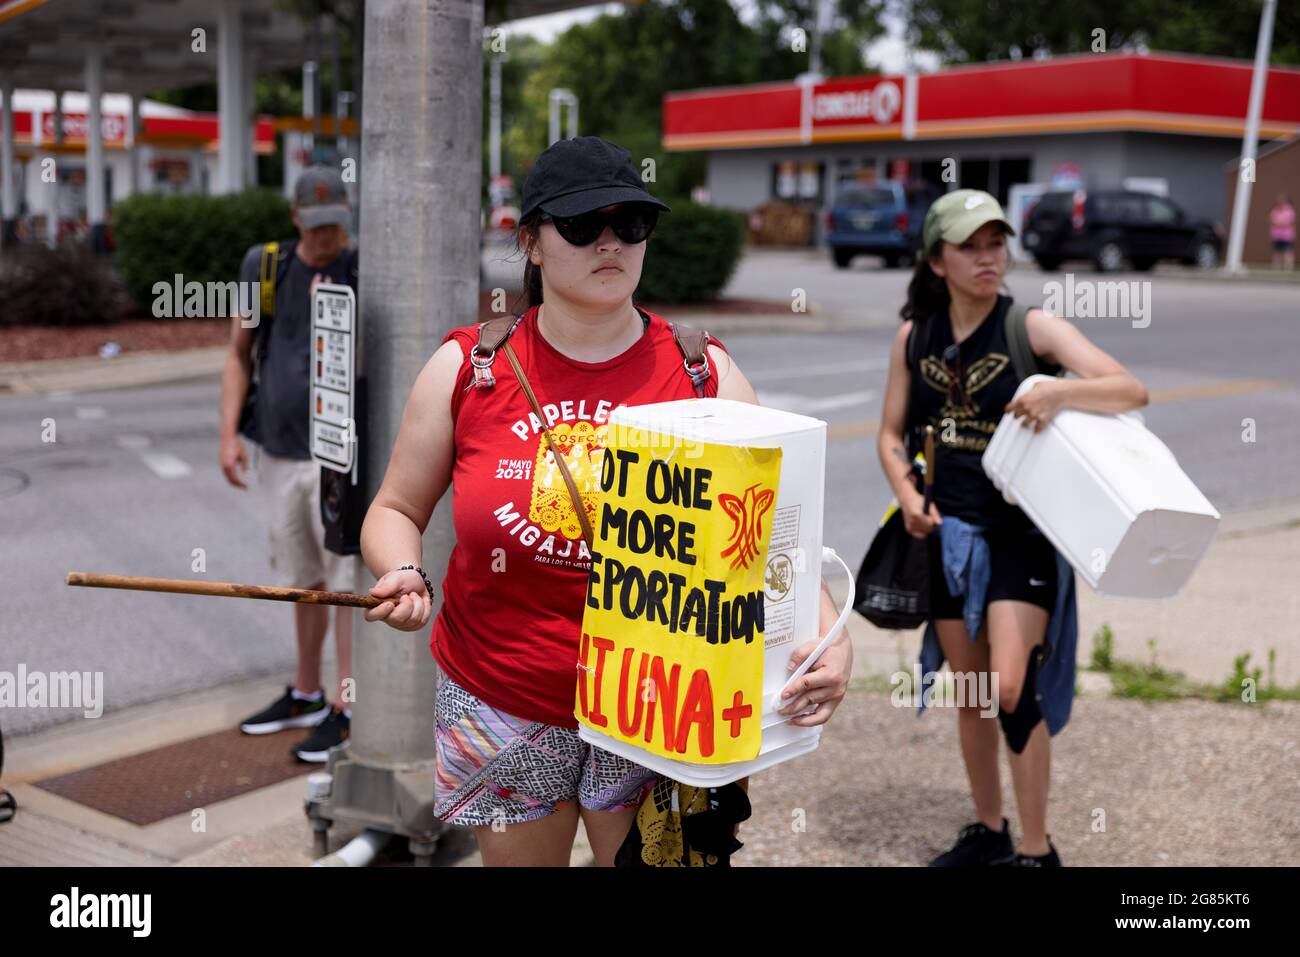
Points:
[1001,598]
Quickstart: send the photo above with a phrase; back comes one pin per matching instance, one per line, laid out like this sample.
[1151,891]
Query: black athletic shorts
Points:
[1022,568]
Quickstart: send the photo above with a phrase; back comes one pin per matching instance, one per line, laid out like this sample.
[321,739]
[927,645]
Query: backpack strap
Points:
[694,347]
[1023,358]
[910,427]
[266,278]
[492,335]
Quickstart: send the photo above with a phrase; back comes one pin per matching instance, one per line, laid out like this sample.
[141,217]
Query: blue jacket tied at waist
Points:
[966,570]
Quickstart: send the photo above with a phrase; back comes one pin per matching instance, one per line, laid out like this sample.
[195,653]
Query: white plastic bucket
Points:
[1109,495]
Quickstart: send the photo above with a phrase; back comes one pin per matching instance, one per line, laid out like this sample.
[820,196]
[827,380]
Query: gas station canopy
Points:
[141,46]
[148,45]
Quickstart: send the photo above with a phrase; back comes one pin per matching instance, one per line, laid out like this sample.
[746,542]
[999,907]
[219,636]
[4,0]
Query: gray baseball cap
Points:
[320,198]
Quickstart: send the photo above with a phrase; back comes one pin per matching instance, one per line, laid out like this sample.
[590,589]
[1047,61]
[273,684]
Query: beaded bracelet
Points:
[416,568]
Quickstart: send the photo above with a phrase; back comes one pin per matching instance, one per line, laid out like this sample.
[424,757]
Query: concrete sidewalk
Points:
[1232,605]
[264,827]
[91,373]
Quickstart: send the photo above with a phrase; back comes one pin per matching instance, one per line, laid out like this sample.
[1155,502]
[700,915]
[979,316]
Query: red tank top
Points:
[513,597]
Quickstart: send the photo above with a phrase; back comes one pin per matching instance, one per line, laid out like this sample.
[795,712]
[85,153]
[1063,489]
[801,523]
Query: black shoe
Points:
[1050,859]
[978,846]
[287,712]
[330,733]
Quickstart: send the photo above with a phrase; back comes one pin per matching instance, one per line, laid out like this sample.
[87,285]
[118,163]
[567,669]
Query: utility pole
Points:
[421,156]
[557,100]
[820,10]
[309,104]
[317,91]
[494,115]
[340,109]
[1249,147]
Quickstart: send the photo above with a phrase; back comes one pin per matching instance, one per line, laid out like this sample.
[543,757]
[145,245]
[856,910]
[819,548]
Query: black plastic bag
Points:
[8,806]
[893,589]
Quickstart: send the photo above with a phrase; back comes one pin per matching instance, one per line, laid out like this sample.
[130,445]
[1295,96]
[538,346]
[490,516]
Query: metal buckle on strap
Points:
[482,365]
[699,372]
[481,359]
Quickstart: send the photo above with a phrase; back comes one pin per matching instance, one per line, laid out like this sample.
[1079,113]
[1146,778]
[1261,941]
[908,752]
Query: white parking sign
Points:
[333,377]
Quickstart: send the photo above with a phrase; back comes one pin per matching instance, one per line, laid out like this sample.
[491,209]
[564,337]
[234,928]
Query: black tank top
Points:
[964,420]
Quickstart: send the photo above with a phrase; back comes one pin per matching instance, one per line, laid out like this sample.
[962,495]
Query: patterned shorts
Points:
[494,767]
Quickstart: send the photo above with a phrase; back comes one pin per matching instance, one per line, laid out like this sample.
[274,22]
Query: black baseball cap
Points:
[578,175]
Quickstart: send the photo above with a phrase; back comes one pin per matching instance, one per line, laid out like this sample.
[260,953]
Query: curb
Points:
[1257,275]
[789,323]
[91,373]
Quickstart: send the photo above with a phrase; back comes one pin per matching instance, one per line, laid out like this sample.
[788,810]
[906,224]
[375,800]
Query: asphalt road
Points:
[131,484]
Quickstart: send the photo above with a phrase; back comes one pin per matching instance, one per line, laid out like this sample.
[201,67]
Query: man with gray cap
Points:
[271,410]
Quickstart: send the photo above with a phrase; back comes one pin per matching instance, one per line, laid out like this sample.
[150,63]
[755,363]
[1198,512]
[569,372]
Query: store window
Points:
[170,175]
[995,174]
[1012,170]
[798,181]
[852,172]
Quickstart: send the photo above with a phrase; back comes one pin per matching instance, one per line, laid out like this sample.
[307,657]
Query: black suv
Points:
[1112,226]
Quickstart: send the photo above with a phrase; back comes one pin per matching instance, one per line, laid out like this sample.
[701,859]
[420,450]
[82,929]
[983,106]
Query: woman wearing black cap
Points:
[510,763]
[1001,599]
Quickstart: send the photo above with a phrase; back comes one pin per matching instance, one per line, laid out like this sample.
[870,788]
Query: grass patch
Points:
[872,684]
[1152,682]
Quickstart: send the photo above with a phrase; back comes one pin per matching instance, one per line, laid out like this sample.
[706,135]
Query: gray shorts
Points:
[495,768]
[295,532]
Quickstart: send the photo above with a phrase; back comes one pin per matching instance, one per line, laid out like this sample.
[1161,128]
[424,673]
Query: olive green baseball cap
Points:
[955,216]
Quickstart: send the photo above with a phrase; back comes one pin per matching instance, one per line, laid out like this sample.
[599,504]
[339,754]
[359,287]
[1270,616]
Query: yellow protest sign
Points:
[671,655]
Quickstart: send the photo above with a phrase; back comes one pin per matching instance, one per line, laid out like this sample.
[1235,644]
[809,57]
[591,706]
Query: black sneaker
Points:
[330,733]
[1050,859]
[978,846]
[287,712]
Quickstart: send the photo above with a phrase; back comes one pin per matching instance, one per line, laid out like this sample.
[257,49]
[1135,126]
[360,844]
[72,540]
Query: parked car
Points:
[1111,227]
[882,219]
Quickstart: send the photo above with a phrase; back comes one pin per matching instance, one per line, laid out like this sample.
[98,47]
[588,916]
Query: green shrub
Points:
[1103,649]
[203,238]
[1148,682]
[692,254]
[66,286]
[1234,689]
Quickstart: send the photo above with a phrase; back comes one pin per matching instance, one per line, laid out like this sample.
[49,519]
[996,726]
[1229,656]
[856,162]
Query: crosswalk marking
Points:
[808,404]
[817,371]
[165,465]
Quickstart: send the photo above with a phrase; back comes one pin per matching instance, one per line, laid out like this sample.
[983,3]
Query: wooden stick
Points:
[929,467]
[185,586]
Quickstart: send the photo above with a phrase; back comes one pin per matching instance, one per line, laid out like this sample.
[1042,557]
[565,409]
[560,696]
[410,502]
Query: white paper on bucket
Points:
[792,593]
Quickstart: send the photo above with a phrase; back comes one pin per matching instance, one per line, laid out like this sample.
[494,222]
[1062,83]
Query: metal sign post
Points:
[334,377]
[419,246]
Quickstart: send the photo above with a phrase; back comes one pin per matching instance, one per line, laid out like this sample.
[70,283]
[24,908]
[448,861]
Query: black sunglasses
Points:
[632,223]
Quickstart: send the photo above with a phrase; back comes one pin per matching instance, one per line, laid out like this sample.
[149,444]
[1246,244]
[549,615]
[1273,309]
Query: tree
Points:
[978,30]
[620,66]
